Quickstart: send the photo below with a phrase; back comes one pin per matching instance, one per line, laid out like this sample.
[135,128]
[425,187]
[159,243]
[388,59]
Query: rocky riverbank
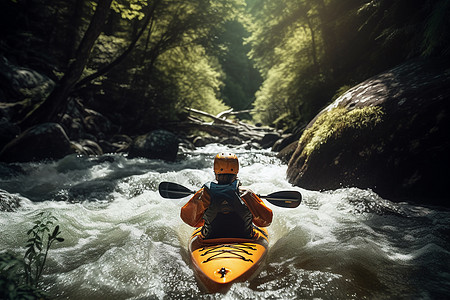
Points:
[86,131]
[388,133]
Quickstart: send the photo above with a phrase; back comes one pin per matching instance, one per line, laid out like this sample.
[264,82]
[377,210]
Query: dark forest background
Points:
[141,62]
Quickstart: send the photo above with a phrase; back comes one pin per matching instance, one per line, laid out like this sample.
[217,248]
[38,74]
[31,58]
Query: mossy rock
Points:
[389,134]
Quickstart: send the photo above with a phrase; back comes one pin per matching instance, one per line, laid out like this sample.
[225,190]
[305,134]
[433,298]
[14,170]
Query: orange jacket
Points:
[192,212]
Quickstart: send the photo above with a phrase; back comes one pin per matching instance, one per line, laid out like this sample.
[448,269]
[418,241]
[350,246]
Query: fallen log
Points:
[221,127]
[205,114]
[213,129]
[226,113]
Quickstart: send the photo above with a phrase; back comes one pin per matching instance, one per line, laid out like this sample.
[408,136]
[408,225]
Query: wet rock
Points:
[19,83]
[45,141]
[286,153]
[185,144]
[9,202]
[158,144]
[201,141]
[288,138]
[233,140]
[269,139]
[97,124]
[389,133]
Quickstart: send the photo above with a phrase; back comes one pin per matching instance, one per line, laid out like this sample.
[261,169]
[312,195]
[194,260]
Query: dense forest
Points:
[102,76]
[310,51]
[144,61]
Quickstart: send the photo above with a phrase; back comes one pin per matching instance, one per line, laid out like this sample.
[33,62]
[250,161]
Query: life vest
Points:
[227,214]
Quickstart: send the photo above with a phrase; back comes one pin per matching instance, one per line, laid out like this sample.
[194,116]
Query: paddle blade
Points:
[173,190]
[287,199]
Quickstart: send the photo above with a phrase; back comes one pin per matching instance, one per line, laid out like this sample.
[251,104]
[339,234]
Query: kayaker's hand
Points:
[245,191]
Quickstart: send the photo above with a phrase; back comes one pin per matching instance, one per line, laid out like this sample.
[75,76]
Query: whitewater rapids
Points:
[124,241]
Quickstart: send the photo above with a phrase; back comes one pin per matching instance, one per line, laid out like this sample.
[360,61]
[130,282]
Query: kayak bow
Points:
[218,263]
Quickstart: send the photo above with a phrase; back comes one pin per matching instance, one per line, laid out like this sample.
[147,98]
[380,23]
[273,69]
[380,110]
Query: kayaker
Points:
[223,208]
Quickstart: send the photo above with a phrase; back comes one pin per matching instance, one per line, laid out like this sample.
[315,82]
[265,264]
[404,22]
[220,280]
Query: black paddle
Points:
[287,199]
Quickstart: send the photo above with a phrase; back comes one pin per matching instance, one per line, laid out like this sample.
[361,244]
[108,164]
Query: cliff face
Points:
[390,133]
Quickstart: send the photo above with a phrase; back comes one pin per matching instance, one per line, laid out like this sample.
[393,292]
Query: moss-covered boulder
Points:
[391,133]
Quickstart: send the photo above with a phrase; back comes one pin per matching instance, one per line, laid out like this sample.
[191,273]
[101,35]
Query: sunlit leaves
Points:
[196,77]
[307,49]
[286,47]
[129,9]
[106,49]
[176,50]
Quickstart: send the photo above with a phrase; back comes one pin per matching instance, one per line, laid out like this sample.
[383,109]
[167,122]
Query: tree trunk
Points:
[313,45]
[75,25]
[57,100]
[329,39]
[124,55]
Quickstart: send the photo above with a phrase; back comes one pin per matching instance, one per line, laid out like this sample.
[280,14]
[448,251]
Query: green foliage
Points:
[172,65]
[106,49]
[158,43]
[307,49]
[11,285]
[241,79]
[286,48]
[19,278]
[195,77]
[41,237]
[190,53]
[130,9]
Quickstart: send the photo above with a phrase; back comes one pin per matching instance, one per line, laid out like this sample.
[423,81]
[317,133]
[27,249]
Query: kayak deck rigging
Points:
[234,251]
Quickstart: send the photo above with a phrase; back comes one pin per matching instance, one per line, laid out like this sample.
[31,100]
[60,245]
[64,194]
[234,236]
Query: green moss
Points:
[331,125]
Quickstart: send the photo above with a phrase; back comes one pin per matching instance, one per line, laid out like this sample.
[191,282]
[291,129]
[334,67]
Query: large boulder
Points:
[158,144]
[390,134]
[18,83]
[45,141]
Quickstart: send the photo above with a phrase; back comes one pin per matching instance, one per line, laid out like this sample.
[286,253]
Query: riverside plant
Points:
[19,277]
[40,240]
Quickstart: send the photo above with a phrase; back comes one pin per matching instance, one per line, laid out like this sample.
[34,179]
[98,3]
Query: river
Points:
[124,241]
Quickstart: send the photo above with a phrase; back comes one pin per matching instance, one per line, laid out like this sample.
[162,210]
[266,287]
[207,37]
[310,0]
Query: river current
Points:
[124,241]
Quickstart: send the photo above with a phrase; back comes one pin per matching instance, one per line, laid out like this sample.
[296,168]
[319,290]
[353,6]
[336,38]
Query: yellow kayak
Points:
[218,263]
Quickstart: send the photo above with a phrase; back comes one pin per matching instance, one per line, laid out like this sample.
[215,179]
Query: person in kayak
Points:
[223,208]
